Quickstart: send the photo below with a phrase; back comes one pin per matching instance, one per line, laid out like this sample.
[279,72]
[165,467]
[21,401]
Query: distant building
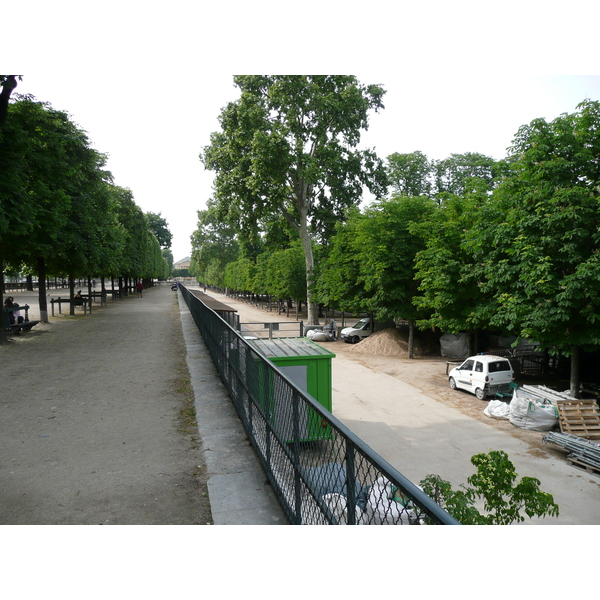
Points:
[184,263]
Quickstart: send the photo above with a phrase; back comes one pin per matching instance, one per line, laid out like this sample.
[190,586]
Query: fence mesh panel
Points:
[331,478]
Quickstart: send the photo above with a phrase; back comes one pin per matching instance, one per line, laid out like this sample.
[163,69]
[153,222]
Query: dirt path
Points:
[96,420]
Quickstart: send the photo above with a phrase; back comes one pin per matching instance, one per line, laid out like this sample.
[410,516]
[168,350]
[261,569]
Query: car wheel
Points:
[452,383]
[355,339]
[480,394]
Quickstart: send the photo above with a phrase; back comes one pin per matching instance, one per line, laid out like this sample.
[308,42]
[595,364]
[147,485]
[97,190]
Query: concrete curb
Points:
[237,485]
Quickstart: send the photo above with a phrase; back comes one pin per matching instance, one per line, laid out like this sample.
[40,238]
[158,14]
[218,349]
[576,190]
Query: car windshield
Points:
[360,324]
[500,365]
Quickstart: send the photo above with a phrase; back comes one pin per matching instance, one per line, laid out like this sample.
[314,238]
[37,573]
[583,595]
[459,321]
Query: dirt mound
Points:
[388,342]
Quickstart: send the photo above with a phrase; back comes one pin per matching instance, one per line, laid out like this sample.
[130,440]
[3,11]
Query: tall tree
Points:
[214,244]
[453,173]
[387,247]
[8,83]
[288,147]
[451,297]
[160,228]
[410,174]
[48,150]
[538,244]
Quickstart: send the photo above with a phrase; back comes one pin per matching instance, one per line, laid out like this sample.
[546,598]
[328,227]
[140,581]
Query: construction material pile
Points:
[388,342]
[542,409]
[582,452]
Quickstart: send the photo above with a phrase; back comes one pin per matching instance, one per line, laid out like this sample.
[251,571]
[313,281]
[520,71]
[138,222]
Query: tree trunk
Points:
[42,299]
[71,294]
[469,343]
[311,305]
[2,330]
[411,338]
[574,383]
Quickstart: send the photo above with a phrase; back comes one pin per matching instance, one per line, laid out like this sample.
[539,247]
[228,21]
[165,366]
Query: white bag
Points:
[497,410]
[385,509]
[528,412]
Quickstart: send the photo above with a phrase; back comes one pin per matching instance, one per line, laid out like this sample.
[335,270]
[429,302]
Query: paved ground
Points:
[95,424]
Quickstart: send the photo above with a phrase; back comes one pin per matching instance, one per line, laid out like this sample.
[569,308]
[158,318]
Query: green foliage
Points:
[450,294]
[287,148]
[494,483]
[416,175]
[214,244]
[387,247]
[159,226]
[59,205]
[239,275]
[338,280]
[410,174]
[454,175]
[537,244]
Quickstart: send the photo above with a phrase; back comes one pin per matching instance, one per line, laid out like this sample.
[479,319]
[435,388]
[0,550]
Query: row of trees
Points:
[463,244]
[61,214]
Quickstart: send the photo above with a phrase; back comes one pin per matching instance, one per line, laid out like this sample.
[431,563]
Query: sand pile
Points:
[389,342]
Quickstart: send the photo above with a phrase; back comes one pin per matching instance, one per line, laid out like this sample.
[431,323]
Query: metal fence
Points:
[271,330]
[334,477]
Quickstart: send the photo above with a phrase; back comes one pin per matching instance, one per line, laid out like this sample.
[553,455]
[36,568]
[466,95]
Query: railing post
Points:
[297,480]
[350,483]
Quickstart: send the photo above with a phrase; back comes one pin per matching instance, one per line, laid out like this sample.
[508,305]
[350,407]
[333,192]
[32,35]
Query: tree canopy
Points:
[60,213]
[288,147]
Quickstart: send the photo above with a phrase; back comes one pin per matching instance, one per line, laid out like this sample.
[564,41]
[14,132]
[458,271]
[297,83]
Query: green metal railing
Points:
[334,478]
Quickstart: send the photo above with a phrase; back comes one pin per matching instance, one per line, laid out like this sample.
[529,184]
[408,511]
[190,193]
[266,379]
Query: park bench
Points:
[26,325]
[83,302]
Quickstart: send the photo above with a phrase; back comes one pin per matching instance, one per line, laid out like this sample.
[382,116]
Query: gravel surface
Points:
[97,423]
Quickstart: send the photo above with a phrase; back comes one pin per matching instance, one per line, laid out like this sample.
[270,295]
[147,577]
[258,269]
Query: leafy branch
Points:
[494,484]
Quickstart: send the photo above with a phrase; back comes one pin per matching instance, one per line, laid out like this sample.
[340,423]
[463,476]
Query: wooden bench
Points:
[26,325]
[83,301]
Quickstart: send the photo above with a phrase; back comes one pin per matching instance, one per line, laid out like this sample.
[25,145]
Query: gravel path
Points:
[96,424]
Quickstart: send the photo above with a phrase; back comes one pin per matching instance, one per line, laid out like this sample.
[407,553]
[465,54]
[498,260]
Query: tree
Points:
[48,151]
[386,249]
[494,483]
[451,297]
[285,269]
[159,226]
[8,83]
[214,244]
[452,174]
[338,283]
[410,174]
[288,147]
[538,243]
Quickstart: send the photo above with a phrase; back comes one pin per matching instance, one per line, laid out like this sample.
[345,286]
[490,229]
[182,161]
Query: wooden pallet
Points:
[579,417]
[576,462]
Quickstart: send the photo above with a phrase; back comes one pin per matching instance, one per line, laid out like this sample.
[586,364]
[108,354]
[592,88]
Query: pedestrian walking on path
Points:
[140,288]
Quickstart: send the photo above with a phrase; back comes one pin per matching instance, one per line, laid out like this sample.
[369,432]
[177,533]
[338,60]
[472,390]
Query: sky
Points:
[148,83]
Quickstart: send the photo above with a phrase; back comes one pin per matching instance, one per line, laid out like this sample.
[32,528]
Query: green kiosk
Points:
[308,365]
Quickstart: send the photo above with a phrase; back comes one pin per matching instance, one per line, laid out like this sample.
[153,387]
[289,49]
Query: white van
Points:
[362,329]
[481,375]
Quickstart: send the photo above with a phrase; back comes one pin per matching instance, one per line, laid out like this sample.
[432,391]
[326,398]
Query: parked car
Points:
[362,329]
[481,375]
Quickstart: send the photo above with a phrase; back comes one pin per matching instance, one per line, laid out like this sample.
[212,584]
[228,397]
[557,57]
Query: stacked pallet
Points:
[579,417]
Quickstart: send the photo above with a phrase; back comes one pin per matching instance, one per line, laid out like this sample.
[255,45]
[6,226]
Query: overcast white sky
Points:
[147,83]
